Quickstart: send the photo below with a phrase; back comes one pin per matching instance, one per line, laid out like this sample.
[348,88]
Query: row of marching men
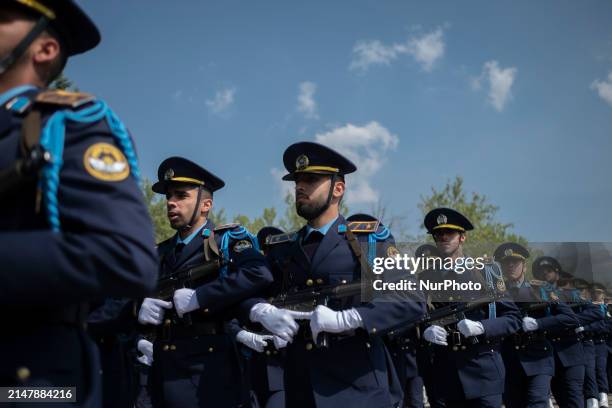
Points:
[496,353]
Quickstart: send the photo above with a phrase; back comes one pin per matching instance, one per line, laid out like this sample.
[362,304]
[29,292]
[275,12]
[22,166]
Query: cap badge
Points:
[441,219]
[169,174]
[301,162]
[508,252]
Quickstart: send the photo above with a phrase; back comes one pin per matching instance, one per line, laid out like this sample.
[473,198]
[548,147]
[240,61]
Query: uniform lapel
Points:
[297,251]
[193,247]
[331,240]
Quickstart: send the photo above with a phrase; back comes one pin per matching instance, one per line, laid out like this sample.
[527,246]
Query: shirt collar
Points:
[323,230]
[13,92]
[187,240]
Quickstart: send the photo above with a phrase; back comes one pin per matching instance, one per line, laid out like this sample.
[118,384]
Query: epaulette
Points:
[63,98]
[536,282]
[363,226]
[280,238]
[231,225]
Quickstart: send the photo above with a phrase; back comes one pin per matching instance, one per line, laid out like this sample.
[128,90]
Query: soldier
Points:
[194,359]
[355,368]
[600,330]
[528,354]
[467,362]
[74,227]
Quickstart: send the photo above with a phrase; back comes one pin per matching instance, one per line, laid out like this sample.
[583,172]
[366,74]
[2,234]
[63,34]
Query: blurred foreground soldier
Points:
[339,359]
[466,358]
[528,354]
[599,331]
[74,227]
[194,358]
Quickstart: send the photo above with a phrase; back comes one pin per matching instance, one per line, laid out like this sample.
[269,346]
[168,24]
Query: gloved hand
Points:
[579,329]
[280,322]
[152,311]
[185,301]
[279,343]
[530,324]
[253,341]
[146,348]
[324,319]
[470,328]
[436,335]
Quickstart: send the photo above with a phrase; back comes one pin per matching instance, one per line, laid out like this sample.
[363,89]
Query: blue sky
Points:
[516,97]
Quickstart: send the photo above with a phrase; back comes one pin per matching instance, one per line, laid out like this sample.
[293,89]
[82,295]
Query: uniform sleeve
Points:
[562,318]
[105,247]
[248,276]
[590,313]
[507,322]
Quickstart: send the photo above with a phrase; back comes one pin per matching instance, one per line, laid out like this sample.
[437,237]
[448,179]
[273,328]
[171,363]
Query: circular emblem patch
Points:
[501,286]
[508,252]
[106,162]
[169,174]
[392,252]
[441,219]
[242,245]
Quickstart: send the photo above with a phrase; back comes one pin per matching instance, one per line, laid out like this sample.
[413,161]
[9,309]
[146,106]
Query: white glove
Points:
[146,348]
[579,329]
[185,301]
[279,322]
[152,311]
[253,341]
[325,319]
[436,335]
[529,324]
[279,343]
[470,328]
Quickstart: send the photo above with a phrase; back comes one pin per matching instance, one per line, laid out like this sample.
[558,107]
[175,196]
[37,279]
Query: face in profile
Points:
[311,192]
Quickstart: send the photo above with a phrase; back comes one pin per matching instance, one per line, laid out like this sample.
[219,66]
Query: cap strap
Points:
[18,51]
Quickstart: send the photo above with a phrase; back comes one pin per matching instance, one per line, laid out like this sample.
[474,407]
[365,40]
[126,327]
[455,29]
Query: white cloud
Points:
[222,101]
[500,82]
[425,49]
[366,146]
[306,102]
[604,88]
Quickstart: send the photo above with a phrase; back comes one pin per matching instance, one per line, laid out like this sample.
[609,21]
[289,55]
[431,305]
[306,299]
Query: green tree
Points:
[64,83]
[157,210]
[488,232]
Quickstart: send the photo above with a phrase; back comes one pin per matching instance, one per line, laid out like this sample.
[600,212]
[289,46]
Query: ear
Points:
[339,188]
[462,238]
[206,205]
[45,49]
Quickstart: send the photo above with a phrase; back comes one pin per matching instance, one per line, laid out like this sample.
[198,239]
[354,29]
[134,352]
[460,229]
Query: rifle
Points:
[308,299]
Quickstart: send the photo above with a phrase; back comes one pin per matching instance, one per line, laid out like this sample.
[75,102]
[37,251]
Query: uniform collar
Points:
[187,240]
[520,284]
[13,92]
[323,230]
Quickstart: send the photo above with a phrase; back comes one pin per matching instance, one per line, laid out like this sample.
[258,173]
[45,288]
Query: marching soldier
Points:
[528,354]
[194,359]
[600,331]
[74,227]
[354,368]
[467,362]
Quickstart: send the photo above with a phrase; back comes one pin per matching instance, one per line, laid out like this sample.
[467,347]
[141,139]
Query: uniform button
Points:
[516,347]
[455,348]
[319,281]
[206,310]
[374,330]
[309,282]
[343,281]
[173,347]
[165,348]
[463,347]
[368,345]
[268,353]
[545,348]
[450,298]
[308,346]
[23,373]
[391,332]
[210,349]
[167,322]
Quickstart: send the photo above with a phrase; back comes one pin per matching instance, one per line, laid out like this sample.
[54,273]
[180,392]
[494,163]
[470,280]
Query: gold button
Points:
[173,347]
[309,282]
[516,347]
[319,281]
[368,345]
[165,348]
[450,298]
[392,332]
[463,347]
[206,310]
[268,353]
[343,281]
[23,373]
[374,330]
[167,322]
[308,346]
[545,348]
[210,349]
[455,348]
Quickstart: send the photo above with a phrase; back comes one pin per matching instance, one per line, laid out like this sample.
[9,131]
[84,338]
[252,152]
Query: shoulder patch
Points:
[363,226]
[64,98]
[242,245]
[280,238]
[106,162]
[227,226]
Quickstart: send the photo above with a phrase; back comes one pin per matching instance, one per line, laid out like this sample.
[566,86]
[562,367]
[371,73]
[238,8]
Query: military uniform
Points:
[195,361]
[355,369]
[469,370]
[528,355]
[74,226]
